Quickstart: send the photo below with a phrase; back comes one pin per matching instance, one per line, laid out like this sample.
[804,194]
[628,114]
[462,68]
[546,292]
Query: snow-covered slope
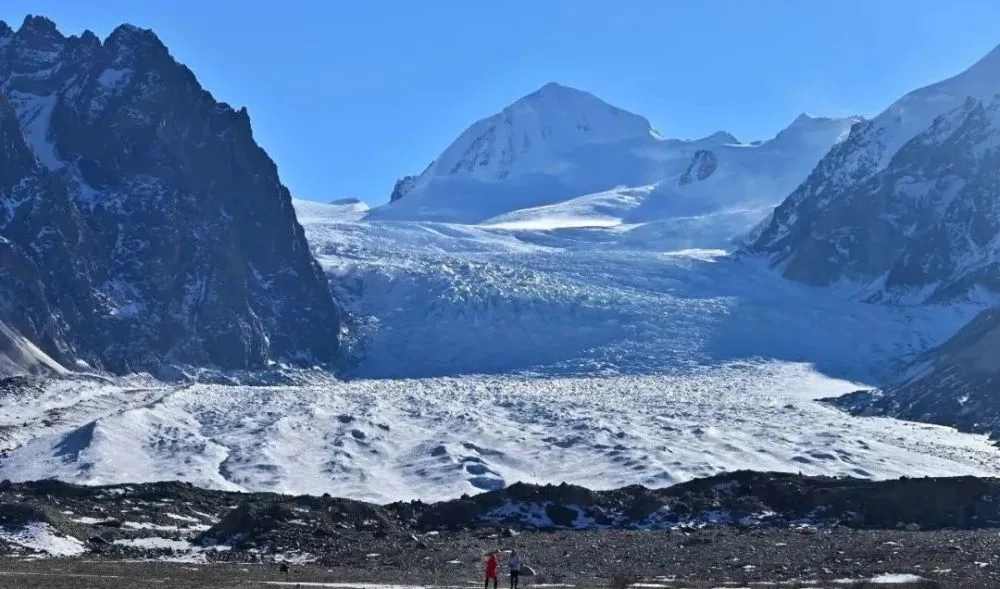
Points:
[560,143]
[955,384]
[532,134]
[907,204]
[308,211]
[19,356]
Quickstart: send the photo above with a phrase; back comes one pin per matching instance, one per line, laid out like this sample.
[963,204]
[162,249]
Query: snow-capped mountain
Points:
[560,143]
[907,204]
[140,223]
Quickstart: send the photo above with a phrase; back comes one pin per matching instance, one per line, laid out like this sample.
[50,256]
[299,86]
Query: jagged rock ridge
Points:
[141,222]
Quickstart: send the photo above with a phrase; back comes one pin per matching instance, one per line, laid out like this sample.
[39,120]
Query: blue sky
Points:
[346,96]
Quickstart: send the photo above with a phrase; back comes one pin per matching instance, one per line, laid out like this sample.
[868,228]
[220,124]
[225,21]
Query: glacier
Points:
[481,355]
[435,299]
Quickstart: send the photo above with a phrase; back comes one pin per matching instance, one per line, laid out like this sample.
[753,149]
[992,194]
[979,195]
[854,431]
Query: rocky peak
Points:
[39,26]
[38,34]
[129,39]
[90,39]
[36,46]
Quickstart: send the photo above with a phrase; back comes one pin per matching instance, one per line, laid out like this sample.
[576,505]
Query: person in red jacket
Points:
[491,570]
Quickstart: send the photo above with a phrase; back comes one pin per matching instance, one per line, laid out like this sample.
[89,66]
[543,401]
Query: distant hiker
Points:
[491,570]
[283,567]
[514,564]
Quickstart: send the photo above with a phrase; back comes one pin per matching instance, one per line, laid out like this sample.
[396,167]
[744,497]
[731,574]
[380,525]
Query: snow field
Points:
[384,440]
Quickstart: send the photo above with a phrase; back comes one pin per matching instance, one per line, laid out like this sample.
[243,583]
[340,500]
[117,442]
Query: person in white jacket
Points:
[514,564]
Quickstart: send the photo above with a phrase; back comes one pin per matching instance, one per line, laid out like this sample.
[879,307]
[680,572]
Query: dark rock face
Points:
[45,262]
[917,224]
[956,384]
[402,186]
[140,223]
[702,165]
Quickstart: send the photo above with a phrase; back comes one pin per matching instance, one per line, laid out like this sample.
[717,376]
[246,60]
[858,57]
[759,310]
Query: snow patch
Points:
[35,114]
[113,78]
[896,578]
[41,537]
[153,543]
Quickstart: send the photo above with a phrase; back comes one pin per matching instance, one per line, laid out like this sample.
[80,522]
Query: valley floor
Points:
[716,558]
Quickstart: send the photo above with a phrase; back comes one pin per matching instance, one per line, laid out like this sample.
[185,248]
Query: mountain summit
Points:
[535,130]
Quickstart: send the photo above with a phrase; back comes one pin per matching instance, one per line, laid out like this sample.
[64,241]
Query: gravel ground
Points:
[585,559]
[736,529]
